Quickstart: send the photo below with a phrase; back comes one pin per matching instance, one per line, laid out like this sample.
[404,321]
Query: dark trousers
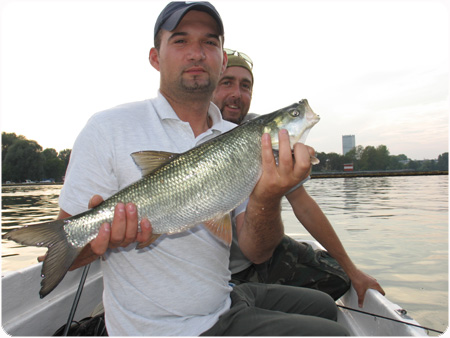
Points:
[298,264]
[278,310]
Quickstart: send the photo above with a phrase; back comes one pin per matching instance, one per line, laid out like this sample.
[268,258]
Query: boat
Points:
[24,313]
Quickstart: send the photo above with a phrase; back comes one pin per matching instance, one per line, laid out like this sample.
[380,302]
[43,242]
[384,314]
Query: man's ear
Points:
[224,63]
[153,57]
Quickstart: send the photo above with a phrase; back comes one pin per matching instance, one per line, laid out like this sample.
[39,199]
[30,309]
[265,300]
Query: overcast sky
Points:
[376,69]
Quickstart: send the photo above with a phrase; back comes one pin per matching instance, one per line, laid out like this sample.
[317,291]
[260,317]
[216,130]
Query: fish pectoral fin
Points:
[314,160]
[221,228]
[150,241]
[149,161]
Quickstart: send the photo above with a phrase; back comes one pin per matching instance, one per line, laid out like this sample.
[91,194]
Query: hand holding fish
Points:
[277,180]
[260,230]
[123,230]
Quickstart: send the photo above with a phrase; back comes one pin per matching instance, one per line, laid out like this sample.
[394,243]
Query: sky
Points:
[378,70]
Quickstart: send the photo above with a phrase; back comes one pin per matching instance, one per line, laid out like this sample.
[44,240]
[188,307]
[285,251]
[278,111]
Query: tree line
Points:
[376,159]
[24,159]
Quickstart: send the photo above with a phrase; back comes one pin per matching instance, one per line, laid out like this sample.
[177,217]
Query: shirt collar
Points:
[216,116]
[165,111]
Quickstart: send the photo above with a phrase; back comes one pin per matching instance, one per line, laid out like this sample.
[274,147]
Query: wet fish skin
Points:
[177,191]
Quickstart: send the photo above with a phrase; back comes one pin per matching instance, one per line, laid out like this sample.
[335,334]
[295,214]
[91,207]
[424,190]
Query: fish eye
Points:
[295,113]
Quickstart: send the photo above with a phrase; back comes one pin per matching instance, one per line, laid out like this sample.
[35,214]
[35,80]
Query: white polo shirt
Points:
[178,285]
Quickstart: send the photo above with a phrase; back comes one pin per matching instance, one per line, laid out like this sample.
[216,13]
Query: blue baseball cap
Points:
[172,14]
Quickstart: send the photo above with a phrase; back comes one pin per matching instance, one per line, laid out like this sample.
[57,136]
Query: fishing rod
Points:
[392,319]
[76,300]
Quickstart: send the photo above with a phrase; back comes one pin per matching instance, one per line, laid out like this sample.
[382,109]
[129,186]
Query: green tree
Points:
[7,141]
[379,158]
[335,162]
[402,157]
[382,158]
[442,162]
[23,160]
[358,152]
[414,165]
[397,162]
[428,165]
[64,155]
[368,158]
[54,167]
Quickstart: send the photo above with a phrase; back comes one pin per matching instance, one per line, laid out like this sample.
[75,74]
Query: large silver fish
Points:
[177,191]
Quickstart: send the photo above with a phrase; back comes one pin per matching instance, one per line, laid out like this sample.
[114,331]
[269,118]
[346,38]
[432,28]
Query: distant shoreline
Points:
[30,184]
[332,174]
[375,173]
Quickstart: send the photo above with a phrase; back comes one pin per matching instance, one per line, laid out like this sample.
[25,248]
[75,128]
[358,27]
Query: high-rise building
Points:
[348,143]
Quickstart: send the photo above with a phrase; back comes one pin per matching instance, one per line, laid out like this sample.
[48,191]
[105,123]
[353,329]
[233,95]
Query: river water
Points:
[393,228]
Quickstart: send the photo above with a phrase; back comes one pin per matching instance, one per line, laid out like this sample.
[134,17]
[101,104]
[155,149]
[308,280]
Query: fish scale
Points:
[177,191]
[205,194]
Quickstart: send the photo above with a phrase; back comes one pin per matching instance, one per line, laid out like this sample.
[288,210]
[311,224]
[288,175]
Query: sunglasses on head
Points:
[242,55]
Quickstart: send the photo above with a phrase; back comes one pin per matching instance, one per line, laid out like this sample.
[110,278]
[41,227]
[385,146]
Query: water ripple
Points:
[395,229]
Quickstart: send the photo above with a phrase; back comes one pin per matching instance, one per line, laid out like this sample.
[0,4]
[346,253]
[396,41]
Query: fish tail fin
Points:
[60,255]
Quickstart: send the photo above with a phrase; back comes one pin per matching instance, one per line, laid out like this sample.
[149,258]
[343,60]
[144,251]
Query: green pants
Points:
[298,264]
[278,310]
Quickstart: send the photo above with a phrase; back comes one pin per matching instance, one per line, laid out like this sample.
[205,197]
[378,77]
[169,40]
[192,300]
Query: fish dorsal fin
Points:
[150,241]
[221,228]
[149,161]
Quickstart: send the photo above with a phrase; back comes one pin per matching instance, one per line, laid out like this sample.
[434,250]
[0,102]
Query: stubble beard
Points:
[196,87]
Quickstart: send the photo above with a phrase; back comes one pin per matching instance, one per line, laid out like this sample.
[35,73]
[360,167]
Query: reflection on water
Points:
[22,205]
[393,228]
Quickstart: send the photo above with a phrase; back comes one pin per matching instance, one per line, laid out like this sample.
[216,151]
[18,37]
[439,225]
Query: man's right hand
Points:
[123,230]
